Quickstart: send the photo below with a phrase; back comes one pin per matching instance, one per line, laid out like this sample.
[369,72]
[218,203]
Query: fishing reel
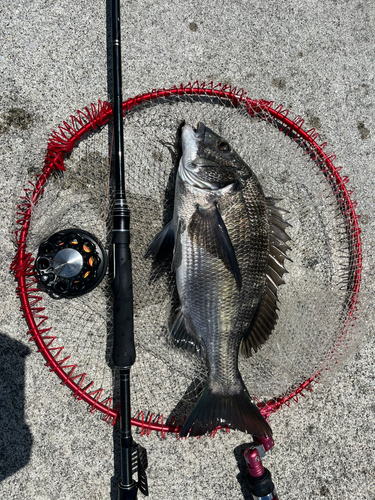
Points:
[71,263]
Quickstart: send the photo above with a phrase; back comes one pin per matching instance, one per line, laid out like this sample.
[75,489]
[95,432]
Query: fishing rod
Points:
[133,456]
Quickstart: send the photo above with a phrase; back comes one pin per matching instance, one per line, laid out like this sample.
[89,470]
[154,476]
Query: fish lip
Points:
[198,134]
[201,129]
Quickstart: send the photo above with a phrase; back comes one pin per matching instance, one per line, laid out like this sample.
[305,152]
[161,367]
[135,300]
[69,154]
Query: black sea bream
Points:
[228,251]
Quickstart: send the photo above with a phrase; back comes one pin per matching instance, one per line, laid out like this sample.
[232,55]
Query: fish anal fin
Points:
[208,230]
[184,336]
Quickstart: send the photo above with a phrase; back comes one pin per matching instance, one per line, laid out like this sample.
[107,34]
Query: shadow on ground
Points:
[15,437]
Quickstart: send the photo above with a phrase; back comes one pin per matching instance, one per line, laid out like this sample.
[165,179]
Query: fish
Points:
[228,245]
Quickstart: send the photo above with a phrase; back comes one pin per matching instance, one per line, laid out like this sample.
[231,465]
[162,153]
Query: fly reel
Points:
[71,262]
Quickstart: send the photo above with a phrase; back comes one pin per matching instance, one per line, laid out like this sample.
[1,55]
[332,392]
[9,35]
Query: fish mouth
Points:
[200,129]
[190,137]
[197,133]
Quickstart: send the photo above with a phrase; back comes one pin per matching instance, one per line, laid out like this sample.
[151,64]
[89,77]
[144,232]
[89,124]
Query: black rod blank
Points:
[123,349]
[117,100]
[123,342]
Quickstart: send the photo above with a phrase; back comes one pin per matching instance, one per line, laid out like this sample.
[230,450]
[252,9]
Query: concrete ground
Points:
[316,58]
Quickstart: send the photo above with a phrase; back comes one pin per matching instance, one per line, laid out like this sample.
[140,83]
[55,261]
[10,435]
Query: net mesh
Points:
[318,303]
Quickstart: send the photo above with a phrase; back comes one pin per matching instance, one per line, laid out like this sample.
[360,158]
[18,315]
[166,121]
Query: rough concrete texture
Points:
[317,58]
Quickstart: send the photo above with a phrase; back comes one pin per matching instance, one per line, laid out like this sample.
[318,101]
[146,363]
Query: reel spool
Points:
[71,262]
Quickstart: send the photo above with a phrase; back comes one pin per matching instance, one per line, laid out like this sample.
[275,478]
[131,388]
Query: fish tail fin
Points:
[233,411]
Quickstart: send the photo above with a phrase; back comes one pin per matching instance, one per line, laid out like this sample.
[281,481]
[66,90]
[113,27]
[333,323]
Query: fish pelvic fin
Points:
[162,245]
[208,230]
[185,337]
[218,410]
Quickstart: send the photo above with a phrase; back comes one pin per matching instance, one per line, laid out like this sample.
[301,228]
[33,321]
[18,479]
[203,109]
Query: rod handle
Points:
[123,342]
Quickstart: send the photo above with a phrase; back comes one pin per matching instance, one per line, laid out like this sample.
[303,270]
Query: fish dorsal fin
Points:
[265,317]
[162,245]
[208,230]
[184,336]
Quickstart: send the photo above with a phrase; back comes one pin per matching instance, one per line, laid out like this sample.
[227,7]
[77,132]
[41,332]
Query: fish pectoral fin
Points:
[162,245]
[184,336]
[208,230]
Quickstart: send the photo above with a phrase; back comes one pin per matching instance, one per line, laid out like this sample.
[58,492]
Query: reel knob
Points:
[71,262]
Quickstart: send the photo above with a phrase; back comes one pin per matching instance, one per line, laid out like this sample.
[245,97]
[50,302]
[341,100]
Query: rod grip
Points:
[123,342]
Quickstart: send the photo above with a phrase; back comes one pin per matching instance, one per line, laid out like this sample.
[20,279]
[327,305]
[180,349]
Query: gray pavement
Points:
[316,58]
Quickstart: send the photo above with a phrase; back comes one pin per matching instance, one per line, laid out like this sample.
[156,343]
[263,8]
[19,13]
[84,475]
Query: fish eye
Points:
[223,146]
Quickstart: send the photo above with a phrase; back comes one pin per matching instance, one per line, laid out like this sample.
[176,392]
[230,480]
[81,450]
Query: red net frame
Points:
[63,141]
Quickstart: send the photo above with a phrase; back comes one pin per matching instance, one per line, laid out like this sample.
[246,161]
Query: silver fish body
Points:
[221,234]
